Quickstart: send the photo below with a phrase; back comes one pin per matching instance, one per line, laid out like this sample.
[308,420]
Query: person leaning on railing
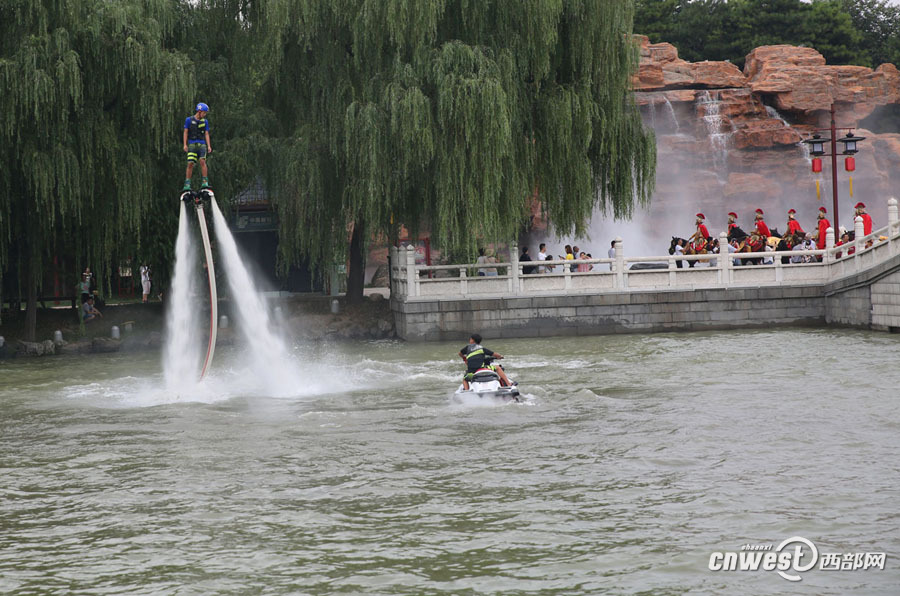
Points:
[548,268]
[481,261]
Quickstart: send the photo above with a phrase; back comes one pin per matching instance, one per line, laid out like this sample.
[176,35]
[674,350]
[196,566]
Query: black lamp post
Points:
[850,142]
[817,148]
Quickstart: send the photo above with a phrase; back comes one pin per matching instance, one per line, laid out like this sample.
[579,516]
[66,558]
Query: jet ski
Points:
[486,384]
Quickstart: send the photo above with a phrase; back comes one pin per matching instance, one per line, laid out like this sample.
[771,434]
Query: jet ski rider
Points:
[474,355]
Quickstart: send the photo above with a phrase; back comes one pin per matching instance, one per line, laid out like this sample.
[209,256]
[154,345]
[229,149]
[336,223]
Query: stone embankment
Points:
[142,327]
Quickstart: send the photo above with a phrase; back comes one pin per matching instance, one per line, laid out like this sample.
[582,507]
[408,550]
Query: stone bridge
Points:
[857,284]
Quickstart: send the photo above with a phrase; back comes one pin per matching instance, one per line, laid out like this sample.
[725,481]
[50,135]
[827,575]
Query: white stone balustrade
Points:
[411,281]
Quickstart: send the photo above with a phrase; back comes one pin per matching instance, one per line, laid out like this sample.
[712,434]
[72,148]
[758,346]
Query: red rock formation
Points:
[800,81]
[730,140]
[660,67]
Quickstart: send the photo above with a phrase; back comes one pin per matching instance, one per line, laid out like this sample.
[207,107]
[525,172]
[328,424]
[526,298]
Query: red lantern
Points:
[817,165]
[849,164]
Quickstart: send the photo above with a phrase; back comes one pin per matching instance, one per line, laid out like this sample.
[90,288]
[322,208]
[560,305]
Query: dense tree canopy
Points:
[878,22]
[860,32]
[361,116]
[450,113]
[88,89]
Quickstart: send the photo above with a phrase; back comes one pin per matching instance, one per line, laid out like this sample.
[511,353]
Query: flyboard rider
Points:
[196,144]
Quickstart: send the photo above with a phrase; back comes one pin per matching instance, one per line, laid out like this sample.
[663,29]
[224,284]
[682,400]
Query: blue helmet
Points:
[202,107]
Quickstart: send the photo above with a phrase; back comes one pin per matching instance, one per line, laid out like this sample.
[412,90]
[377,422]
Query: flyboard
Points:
[196,198]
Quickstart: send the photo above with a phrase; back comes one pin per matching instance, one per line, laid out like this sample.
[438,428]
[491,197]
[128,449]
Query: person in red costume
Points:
[867,219]
[823,224]
[701,236]
[732,219]
[793,226]
[761,228]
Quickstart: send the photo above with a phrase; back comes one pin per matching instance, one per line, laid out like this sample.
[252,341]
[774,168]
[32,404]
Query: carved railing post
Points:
[857,240]
[724,259]
[893,220]
[620,263]
[412,276]
[514,268]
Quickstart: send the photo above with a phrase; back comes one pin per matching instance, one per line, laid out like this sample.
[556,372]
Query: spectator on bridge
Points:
[568,256]
[542,256]
[548,268]
[611,253]
[714,249]
[481,260]
[679,252]
[526,269]
[846,238]
[732,248]
[809,245]
[583,267]
[798,258]
[491,271]
[769,260]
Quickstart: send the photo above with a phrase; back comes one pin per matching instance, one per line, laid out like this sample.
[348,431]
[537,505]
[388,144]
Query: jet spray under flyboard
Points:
[197,198]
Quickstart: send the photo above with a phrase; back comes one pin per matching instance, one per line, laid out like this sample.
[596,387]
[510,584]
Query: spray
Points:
[267,357]
[181,356]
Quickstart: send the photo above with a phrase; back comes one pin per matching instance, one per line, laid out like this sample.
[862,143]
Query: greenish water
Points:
[633,459]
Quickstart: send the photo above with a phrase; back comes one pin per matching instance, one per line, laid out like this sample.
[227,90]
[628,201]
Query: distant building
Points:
[255,227]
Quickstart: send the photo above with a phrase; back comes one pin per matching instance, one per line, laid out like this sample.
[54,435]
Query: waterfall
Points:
[671,111]
[804,147]
[773,113]
[669,123]
[719,128]
[181,356]
[267,356]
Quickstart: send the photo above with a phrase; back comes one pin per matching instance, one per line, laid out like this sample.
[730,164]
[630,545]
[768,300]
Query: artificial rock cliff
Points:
[731,141]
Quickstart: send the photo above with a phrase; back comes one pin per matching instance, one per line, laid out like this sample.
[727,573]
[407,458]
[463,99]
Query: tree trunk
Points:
[31,306]
[356,275]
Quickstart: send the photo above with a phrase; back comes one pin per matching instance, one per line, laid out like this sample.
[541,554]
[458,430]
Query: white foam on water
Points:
[469,400]
[222,384]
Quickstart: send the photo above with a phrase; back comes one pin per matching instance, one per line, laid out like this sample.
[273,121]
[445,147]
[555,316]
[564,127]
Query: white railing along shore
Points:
[411,281]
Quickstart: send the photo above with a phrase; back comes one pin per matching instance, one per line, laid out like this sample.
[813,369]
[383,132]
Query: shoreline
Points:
[142,326]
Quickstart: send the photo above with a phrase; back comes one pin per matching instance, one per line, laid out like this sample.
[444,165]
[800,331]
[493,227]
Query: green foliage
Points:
[844,31]
[878,22]
[448,114]
[374,114]
[87,92]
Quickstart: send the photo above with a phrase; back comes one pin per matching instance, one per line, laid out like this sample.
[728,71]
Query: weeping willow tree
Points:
[450,115]
[88,94]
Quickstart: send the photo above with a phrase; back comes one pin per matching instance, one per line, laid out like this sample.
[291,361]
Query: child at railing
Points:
[548,268]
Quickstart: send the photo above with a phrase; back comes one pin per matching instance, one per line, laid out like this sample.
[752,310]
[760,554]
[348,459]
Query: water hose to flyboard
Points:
[213,297]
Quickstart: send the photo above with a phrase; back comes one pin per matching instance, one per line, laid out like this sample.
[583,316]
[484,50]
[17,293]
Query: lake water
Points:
[631,461]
